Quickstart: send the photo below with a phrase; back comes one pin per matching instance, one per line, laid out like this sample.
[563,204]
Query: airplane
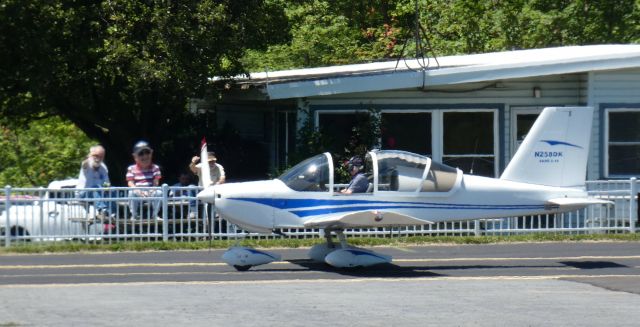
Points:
[546,176]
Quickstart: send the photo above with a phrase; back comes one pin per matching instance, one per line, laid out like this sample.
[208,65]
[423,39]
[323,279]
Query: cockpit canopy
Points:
[387,171]
[311,175]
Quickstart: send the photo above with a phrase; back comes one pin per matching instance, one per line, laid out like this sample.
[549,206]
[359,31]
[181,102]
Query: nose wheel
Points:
[243,258]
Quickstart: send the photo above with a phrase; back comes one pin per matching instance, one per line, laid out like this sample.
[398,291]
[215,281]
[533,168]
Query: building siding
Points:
[609,89]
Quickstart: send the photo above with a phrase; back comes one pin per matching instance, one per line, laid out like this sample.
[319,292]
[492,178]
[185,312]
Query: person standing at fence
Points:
[95,175]
[143,173]
[216,171]
[185,189]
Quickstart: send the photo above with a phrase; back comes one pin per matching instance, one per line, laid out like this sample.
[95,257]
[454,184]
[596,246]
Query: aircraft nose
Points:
[207,195]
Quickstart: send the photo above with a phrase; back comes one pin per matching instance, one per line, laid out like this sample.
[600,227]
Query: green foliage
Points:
[337,32]
[123,70]
[364,136]
[40,152]
[394,240]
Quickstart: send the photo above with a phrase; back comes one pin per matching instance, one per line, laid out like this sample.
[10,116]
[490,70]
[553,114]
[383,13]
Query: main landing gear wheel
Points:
[242,268]
[343,255]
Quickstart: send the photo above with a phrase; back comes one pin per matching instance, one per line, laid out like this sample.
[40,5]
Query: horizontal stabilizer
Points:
[575,203]
[370,218]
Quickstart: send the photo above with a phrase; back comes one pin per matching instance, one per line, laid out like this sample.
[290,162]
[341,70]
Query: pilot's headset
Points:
[355,161]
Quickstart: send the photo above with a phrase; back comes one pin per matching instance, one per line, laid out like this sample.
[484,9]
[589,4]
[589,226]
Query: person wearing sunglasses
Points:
[143,173]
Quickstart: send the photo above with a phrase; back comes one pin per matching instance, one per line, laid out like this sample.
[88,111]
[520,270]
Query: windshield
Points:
[311,175]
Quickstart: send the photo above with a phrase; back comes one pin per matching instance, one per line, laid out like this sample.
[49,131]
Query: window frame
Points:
[496,136]
[513,122]
[437,128]
[418,111]
[607,143]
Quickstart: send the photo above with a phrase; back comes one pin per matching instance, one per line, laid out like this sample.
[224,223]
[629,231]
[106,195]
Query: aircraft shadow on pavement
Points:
[378,271]
[395,271]
[593,264]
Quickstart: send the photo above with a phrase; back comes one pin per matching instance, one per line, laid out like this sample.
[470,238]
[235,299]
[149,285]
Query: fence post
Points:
[476,228]
[7,208]
[165,212]
[633,206]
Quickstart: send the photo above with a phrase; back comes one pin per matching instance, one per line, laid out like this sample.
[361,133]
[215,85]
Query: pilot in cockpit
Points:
[359,182]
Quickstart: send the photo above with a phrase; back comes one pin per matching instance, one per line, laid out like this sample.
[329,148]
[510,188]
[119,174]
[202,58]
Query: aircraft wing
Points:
[574,203]
[367,218]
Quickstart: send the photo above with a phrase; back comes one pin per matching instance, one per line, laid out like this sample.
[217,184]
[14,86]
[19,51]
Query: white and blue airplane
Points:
[546,176]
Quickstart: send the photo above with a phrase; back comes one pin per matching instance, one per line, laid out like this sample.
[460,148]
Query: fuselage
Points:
[267,205]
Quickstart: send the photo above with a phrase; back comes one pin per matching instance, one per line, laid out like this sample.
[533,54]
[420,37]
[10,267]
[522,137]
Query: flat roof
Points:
[449,70]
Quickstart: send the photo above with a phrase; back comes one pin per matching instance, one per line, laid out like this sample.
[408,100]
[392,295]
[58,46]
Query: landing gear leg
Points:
[319,251]
[342,239]
[347,256]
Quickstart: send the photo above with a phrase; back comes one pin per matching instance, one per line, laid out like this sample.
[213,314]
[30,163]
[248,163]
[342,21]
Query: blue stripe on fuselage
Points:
[308,207]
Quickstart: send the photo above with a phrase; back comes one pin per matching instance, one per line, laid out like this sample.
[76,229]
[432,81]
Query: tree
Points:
[123,70]
[345,31]
[40,152]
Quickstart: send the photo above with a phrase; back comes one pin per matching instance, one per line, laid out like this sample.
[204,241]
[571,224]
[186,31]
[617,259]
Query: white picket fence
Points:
[66,214]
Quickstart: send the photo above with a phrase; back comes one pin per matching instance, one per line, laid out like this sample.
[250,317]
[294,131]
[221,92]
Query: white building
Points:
[467,111]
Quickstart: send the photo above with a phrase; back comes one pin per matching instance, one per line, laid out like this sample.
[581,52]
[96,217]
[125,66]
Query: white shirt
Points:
[90,177]
[216,173]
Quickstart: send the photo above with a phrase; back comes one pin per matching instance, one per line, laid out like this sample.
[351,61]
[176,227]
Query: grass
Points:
[69,247]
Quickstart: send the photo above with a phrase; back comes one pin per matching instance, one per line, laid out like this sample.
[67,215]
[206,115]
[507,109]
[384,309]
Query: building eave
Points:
[451,70]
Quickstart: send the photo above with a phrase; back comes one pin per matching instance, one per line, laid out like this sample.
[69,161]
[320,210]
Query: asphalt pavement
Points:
[537,284]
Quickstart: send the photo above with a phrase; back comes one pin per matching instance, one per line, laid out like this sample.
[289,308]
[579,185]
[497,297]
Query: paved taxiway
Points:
[548,284]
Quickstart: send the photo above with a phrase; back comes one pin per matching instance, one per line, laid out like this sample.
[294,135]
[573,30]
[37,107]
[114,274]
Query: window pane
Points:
[623,126]
[524,121]
[468,132]
[407,131]
[339,130]
[482,166]
[624,159]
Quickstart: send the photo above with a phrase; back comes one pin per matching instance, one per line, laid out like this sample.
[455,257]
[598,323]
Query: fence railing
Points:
[123,214]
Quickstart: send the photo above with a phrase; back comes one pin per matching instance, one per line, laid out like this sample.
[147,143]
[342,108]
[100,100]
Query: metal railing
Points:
[123,214]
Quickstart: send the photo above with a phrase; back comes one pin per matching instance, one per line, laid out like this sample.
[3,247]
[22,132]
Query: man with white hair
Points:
[94,175]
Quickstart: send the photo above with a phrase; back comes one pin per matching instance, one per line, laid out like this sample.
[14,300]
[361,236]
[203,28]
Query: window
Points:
[623,142]
[408,131]
[522,119]
[339,129]
[469,141]
[463,138]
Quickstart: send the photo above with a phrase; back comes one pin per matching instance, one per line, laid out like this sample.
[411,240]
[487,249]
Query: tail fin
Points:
[556,150]
[204,164]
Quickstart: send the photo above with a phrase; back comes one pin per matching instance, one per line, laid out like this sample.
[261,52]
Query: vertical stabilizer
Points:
[204,164]
[556,149]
